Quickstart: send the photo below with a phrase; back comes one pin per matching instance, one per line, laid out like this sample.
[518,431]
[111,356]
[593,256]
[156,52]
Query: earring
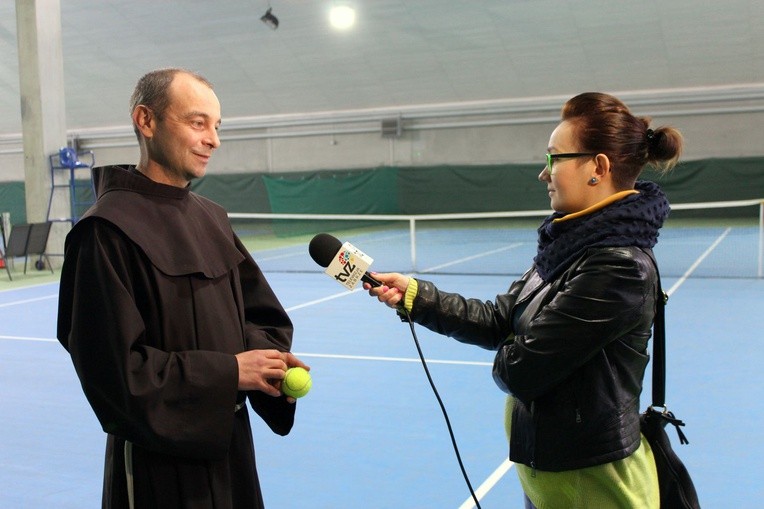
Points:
[593,180]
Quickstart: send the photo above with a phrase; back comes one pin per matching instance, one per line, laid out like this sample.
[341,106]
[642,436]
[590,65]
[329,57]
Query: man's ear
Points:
[144,120]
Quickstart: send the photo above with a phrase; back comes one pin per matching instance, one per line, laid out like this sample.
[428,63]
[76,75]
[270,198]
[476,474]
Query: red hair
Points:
[604,124]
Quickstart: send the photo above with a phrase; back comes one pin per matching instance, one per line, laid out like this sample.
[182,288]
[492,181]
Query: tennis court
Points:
[370,434]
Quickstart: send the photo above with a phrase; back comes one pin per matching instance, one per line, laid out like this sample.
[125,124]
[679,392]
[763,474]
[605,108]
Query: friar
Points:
[171,326]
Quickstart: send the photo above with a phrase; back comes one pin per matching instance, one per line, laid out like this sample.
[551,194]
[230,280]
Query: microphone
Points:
[344,262]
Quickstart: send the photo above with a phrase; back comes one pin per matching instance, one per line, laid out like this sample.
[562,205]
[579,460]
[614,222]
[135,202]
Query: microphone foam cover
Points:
[323,247]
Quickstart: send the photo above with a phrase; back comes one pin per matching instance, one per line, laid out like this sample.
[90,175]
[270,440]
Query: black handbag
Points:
[677,490]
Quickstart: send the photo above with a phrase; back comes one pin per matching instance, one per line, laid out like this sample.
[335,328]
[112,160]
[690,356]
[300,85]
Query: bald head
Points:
[153,90]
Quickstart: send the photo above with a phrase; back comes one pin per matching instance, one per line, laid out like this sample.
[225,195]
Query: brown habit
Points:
[157,295]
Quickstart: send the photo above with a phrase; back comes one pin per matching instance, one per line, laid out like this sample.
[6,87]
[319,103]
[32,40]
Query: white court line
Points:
[700,259]
[27,301]
[26,338]
[279,256]
[317,301]
[301,252]
[429,269]
[323,299]
[317,355]
[392,359]
[488,484]
[468,258]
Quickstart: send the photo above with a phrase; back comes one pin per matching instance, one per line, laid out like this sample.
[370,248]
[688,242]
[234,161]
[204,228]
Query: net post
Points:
[761,238]
[412,240]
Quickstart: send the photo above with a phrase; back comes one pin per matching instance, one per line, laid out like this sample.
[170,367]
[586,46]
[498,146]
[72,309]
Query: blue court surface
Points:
[371,434]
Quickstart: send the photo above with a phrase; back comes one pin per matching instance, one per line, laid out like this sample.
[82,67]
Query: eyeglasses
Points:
[569,155]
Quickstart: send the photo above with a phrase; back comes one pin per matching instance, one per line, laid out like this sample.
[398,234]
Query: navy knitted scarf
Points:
[631,221]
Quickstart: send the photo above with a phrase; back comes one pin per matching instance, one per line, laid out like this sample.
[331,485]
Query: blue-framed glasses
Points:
[568,155]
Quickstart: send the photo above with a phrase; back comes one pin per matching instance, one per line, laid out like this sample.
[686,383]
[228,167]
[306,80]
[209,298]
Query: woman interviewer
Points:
[571,334]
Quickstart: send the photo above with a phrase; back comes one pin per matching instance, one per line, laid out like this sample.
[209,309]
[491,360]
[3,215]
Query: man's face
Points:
[186,135]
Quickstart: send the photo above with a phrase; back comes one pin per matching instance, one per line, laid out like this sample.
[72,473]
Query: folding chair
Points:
[38,244]
[17,245]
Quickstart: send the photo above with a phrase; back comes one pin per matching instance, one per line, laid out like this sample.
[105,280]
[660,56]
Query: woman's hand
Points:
[392,290]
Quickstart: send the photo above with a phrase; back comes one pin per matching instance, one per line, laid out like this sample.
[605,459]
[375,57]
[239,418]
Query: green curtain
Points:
[435,189]
[333,192]
[13,200]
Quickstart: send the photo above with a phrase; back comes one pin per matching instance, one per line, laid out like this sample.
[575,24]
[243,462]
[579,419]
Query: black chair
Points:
[38,244]
[17,245]
[27,239]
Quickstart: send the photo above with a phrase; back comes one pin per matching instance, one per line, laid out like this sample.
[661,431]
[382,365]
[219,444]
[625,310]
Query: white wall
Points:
[424,142]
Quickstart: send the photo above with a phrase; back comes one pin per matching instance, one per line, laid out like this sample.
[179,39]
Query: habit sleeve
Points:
[266,326]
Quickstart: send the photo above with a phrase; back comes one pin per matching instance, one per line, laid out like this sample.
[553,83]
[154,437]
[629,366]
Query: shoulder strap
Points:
[659,340]
[659,347]
[659,359]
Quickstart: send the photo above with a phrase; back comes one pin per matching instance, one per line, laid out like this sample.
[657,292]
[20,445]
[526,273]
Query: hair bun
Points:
[664,146]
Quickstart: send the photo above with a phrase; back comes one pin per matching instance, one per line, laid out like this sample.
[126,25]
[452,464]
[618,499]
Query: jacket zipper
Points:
[535,432]
[578,398]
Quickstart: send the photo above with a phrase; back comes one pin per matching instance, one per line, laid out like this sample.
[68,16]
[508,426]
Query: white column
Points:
[43,111]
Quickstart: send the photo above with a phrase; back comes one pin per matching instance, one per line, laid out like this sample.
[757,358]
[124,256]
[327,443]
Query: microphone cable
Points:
[442,406]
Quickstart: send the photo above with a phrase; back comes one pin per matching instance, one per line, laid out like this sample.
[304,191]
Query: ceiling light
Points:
[342,17]
[270,20]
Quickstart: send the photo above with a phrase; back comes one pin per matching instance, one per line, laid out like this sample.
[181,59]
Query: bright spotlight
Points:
[342,17]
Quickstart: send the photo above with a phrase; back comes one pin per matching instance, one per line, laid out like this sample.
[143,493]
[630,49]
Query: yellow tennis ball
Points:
[297,382]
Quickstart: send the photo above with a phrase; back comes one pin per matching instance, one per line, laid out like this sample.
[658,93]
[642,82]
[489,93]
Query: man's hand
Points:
[263,370]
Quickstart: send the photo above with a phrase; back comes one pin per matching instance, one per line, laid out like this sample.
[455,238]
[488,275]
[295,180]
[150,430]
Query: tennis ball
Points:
[296,383]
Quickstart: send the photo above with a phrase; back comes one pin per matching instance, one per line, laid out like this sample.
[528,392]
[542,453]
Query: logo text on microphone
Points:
[348,265]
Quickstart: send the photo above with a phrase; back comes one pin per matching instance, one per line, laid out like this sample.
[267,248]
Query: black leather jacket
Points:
[571,351]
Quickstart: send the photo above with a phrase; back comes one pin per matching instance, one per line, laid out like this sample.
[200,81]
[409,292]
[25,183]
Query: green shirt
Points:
[628,483]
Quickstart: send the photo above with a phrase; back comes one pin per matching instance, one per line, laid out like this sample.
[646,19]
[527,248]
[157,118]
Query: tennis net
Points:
[712,239]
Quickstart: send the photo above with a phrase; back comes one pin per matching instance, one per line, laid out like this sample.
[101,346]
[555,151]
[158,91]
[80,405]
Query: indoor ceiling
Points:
[399,53]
